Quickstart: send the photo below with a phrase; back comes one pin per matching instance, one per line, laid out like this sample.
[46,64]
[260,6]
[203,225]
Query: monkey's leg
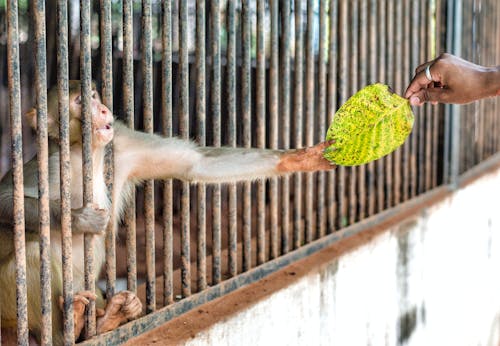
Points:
[122,307]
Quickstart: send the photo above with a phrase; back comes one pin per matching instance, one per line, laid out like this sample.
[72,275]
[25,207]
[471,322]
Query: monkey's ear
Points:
[31,118]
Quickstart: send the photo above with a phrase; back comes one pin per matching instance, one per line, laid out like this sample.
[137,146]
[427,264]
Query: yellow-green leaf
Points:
[371,124]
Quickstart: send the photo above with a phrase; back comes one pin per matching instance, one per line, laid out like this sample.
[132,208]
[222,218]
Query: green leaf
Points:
[371,124]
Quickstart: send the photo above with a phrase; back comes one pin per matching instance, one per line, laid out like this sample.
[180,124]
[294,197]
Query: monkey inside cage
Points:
[226,104]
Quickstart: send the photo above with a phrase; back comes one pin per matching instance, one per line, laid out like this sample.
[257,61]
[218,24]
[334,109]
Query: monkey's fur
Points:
[137,156]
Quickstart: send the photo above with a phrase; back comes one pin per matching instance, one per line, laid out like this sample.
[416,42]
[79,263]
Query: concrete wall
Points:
[431,280]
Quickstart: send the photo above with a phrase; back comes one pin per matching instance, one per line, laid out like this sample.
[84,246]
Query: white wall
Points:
[433,280]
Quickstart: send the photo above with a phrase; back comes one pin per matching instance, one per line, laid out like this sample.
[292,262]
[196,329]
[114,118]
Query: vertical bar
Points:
[128,112]
[201,263]
[17,170]
[273,125]
[353,86]
[406,67]
[65,170]
[285,122]
[86,90]
[372,78]
[260,110]
[43,170]
[455,109]
[321,207]
[216,122]
[381,50]
[184,133]
[389,79]
[362,81]
[415,49]
[147,100]
[310,114]
[107,99]
[231,109]
[298,118]
[166,111]
[398,87]
[437,111]
[343,77]
[246,106]
[332,106]
[430,32]
[421,168]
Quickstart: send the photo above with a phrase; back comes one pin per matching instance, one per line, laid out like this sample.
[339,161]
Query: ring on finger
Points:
[428,74]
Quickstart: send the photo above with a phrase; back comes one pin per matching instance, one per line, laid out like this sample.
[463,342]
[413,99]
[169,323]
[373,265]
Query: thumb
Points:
[441,95]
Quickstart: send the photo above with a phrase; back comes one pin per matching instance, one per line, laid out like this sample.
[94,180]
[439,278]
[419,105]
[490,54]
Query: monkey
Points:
[138,156]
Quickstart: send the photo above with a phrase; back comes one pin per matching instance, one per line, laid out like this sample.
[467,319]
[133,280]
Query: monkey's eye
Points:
[94,94]
[78,99]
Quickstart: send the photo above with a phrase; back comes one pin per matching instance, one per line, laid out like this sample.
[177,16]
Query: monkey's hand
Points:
[80,302]
[89,219]
[305,160]
[122,307]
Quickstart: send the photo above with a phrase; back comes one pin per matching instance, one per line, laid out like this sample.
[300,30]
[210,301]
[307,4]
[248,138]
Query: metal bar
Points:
[246,105]
[43,171]
[273,125]
[231,109]
[421,168]
[147,104]
[389,63]
[414,62]
[201,258]
[381,51]
[107,99]
[362,81]
[406,80]
[86,90]
[166,112]
[298,119]
[309,120]
[372,78]
[332,107]
[128,112]
[398,87]
[65,171]
[353,86]
[429,168]
[321,116]
[17,170]
[285,120]
[260,110]
[343,78]
[184,133]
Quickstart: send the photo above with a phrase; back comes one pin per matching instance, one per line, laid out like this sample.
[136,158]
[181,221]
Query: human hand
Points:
[454,80]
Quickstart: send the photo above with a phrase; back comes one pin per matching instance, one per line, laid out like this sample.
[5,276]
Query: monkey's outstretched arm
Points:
[144,156]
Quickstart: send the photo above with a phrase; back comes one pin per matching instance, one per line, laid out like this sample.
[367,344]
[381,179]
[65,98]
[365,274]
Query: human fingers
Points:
[419,81]
[433,95]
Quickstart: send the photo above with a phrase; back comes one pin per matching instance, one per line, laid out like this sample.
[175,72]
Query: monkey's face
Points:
[102,119]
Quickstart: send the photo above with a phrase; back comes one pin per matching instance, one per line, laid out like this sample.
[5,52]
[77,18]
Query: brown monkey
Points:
[138,156]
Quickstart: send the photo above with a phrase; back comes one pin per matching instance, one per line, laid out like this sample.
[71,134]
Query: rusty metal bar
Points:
[389,79]
[107,99]
[273,125]
[260,110]
[166,112]
[344,92]
[184,133]
[65,171]
[372,78]
[285,120]
[86,91]
[201,258]
[398,87]
[320,206]
[147,106]
[128,112]
[297,121]
[381,51]
[43,171]
[231,109]
[332,107]
[309,120]
[246,105]
[353,86]
[17,170]
[362,81]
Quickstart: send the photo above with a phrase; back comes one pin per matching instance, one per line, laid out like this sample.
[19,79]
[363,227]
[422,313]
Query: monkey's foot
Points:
[80,301]
[122,307]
